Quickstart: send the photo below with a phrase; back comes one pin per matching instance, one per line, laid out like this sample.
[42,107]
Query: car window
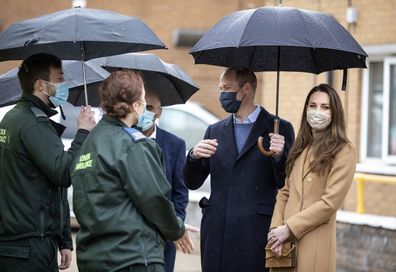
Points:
[184,125]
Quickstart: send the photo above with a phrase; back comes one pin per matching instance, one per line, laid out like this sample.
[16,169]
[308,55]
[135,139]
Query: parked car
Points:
[189,121]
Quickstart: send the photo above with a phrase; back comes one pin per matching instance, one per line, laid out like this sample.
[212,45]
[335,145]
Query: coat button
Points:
[309,179]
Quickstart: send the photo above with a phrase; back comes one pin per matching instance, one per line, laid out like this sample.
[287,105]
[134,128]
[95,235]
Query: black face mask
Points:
[229,101]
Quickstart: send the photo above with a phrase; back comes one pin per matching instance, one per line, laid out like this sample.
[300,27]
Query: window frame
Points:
[388,62]
[385,159]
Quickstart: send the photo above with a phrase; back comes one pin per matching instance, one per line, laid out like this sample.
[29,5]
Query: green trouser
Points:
[142,268]
[33,254]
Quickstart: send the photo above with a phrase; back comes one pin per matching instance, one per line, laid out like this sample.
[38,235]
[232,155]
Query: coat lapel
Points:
[159,136]
[262,127]
[300,171]
[229,137]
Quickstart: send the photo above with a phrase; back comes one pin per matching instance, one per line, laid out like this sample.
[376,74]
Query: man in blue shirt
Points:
[244,183]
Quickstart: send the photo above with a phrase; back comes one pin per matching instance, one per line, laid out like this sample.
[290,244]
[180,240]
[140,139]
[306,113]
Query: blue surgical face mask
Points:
[146,119]
[61,93]
[229,101]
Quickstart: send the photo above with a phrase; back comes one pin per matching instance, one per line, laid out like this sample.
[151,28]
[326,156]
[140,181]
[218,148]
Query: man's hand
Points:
[205,149]
[277,143]
[86,119]
[277,236]
[66,258]
[185,243]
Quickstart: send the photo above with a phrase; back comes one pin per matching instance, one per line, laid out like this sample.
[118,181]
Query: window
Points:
[379,111]
[389,147]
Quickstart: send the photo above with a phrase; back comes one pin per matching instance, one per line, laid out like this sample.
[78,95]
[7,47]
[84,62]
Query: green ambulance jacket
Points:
[119,199]
[34,173]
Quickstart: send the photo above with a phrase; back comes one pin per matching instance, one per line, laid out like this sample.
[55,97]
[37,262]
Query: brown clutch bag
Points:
[288,258]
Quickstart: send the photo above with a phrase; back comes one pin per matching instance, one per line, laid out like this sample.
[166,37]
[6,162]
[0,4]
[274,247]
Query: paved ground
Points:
[184,263]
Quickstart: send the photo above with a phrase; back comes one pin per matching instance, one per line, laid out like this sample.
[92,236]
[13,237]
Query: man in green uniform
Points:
[34,171]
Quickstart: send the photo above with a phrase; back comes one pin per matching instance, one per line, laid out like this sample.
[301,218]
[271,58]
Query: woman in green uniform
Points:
[120,188]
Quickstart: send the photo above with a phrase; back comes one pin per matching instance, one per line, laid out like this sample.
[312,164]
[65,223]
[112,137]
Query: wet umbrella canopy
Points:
[77,34]
[11,89]
[306,41]
[280,39]
[169,81]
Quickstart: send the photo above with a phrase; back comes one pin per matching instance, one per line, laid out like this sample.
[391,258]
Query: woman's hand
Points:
[277,236]
[278,250]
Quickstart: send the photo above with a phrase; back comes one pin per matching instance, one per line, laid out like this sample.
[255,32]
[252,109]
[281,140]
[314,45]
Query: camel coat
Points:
[308,204]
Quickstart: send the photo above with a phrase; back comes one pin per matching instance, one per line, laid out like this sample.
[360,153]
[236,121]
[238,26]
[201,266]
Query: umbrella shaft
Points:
[84,72]
[85,82]
[277,92]
[277,83]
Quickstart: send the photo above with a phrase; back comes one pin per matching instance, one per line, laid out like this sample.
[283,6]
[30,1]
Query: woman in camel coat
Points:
[320,169]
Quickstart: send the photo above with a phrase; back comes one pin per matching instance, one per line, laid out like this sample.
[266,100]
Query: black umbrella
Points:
[169,81]
[11,90]
[77,34]
[280,39]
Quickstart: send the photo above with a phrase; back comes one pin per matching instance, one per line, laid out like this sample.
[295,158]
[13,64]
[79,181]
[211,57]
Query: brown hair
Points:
[36,67]
[329,143]
[244,75]
[119,91]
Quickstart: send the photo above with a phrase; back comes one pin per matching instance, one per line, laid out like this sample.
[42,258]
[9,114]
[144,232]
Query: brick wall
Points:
[364,248]
[378,199]
[376,25]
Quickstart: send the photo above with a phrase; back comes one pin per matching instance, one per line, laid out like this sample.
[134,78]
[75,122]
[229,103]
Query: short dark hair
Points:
[244,75]
[119,91]
[36,67]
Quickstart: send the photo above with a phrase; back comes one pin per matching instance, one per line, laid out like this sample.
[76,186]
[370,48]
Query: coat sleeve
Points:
[179,189]
[281,200]
[278,165]
[196,170]
[65,240]
[46,150]
[144,180]
[337,186]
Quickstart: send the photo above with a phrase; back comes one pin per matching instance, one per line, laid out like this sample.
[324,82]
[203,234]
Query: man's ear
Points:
[248,87]
[38,84]
[158,114]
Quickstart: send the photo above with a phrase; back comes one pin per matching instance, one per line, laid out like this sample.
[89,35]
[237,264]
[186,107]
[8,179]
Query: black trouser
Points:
[170,256]
[142,268]
[33,254]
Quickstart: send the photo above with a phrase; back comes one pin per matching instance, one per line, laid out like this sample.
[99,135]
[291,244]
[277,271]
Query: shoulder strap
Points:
[40,115]
[135,134]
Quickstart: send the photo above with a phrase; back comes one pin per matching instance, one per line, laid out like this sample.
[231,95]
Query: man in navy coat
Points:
[174,152]
[244,183]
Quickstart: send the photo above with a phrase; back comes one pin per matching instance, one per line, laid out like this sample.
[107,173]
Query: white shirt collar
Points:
[154,134]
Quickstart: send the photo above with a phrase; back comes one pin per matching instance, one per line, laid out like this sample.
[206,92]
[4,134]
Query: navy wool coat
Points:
[174,152]
[237,216]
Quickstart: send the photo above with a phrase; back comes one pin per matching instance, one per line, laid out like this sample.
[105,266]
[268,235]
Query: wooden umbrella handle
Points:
[260,140]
